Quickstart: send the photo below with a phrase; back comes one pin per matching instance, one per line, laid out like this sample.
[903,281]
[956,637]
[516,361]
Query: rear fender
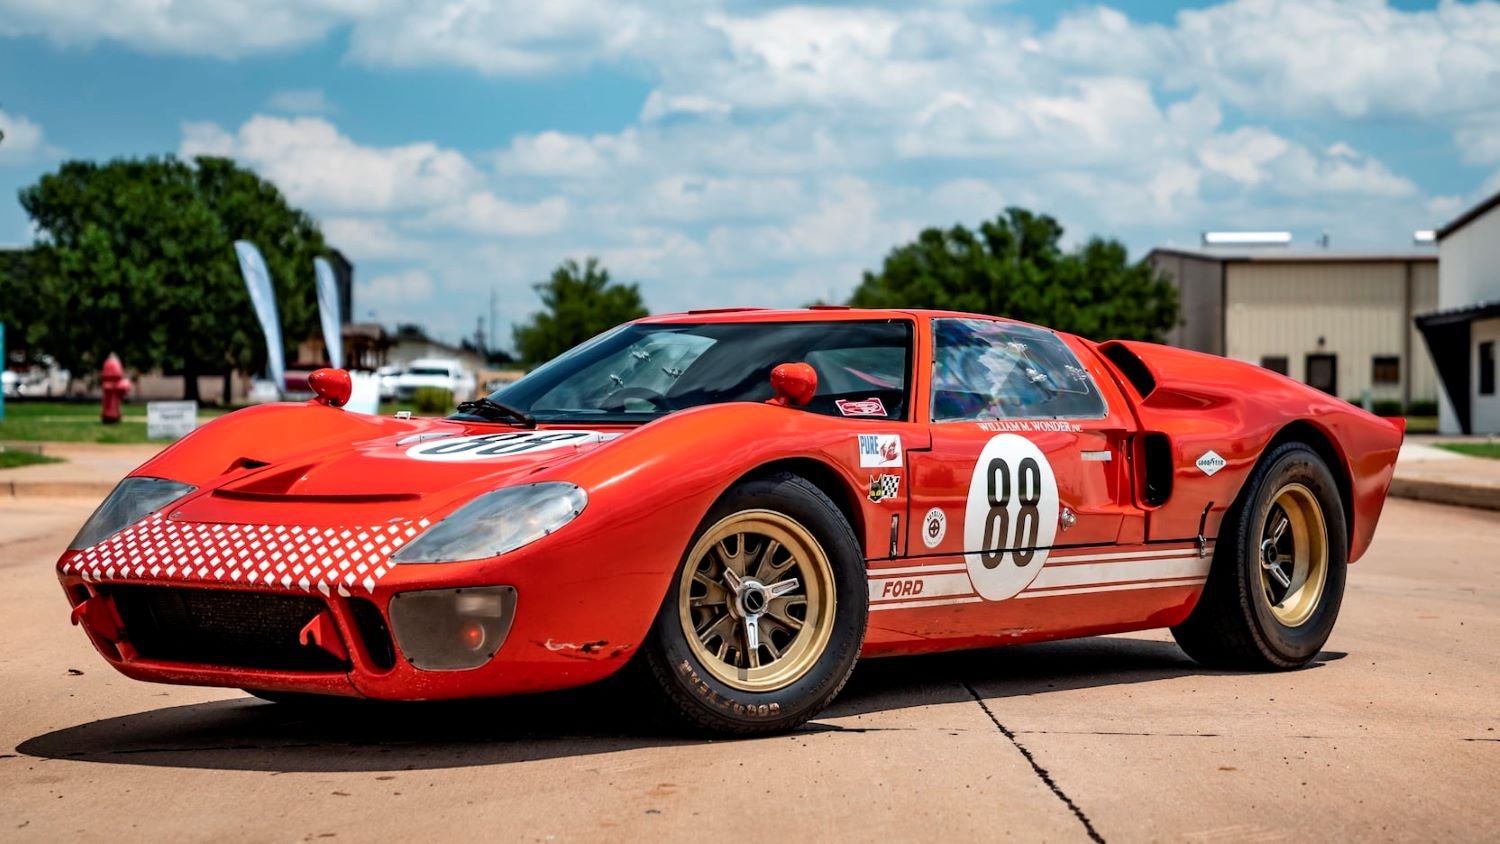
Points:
[1213,407]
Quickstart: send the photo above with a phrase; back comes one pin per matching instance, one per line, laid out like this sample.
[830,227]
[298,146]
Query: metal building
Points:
[1340,321]
[1465,334]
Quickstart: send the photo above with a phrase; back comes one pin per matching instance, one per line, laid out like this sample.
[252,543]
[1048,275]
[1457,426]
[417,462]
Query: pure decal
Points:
[872,406]
[1210,463]
[879,451]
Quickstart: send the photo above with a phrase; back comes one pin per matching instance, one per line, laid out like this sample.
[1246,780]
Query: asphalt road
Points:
[1394,734]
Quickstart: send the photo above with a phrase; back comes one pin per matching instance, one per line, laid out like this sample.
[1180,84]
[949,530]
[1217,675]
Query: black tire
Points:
[692,695]
[1234,625]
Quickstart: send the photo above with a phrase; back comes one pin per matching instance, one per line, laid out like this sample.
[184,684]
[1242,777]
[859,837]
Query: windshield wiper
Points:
[493,411]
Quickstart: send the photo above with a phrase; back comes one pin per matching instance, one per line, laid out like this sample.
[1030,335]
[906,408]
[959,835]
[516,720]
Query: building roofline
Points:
[1469,216]
[1273,255]
[1459,315]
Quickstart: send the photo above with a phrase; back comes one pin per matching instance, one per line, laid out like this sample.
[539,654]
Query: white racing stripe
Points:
[938,584]
[1097,574]
[1118,587]
[1064,559]
[935,568]
[911,605]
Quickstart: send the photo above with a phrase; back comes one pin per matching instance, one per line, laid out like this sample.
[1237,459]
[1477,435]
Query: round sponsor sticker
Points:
[491,446]
[1011,517]
[934,527]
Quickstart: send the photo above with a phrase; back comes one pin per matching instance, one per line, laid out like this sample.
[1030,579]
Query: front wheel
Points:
[764,621]
[1277,580]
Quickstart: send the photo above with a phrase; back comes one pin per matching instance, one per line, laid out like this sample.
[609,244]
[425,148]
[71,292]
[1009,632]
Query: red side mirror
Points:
[332,386]
[794,383]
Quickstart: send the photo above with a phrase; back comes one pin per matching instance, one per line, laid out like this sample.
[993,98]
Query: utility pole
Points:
[492,319]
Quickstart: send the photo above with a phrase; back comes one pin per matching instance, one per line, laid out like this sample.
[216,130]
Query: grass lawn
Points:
[1490,449]
[1421,424]
[13,459]
[79,423]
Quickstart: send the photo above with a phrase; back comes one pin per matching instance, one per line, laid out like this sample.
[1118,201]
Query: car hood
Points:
[412,472]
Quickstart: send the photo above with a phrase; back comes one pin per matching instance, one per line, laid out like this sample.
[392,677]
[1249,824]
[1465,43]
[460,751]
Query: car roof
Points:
[816,313]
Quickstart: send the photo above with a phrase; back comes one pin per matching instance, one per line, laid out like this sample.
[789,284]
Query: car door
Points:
[1028,457]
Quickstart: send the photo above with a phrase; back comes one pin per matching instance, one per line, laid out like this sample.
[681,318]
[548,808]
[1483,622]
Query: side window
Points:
[994,370]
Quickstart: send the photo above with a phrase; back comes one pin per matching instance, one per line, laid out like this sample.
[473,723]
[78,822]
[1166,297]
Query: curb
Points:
[1446,492]
[56,489]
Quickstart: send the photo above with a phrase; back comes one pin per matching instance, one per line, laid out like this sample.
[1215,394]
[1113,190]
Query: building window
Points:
[1323,372]
[1275,363]
[1387,369]
[1487,368]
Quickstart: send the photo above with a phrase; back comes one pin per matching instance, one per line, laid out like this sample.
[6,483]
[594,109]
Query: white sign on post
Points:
[168,420]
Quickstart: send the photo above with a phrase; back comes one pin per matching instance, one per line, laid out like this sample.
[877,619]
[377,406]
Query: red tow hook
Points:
[98,615]
[322,633]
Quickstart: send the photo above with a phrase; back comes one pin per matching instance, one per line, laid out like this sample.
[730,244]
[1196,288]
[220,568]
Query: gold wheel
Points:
[756,601]
[1293,555]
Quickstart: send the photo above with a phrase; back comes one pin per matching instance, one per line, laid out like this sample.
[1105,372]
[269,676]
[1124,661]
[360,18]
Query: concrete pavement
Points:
[1394,734]
[88,469]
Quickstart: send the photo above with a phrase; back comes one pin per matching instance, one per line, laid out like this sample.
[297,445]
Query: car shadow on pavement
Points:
[251,735]
[998,673]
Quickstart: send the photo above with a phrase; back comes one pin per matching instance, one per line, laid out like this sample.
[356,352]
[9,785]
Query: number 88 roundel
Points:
[1011,517]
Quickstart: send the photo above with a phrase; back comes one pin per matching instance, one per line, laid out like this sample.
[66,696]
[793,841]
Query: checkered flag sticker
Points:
[885,486]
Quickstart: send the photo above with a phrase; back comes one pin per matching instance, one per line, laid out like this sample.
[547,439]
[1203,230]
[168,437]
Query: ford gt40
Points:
[738,505]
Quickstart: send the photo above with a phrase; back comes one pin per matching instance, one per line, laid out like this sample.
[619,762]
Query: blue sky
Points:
[721,152]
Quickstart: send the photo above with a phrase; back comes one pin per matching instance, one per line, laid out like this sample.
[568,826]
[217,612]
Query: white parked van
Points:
[443,373]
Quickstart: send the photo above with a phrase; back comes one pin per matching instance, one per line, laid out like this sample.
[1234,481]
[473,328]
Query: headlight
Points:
[128,503]
[496,523]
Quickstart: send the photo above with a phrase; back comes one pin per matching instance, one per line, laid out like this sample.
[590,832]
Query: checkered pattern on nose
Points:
[286,556]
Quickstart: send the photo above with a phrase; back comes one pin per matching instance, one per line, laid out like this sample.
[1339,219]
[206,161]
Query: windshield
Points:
[423,370]
[638,372]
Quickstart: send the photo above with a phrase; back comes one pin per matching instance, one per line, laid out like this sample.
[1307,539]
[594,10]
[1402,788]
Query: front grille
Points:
[221,627]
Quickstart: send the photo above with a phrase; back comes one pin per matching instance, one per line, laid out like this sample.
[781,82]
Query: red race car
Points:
[740,504]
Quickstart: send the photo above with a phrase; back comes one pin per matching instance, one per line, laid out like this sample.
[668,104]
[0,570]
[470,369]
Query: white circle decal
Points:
[509,444]
[934,527]
[1011,517]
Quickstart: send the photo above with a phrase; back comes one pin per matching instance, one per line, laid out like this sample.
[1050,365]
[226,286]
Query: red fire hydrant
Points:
[114,385]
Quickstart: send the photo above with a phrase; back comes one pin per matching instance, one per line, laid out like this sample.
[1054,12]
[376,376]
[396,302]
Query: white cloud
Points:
[780,150]
[1257,157]
[23,141]
[299,101]
[567,156]
[1478,138]
[392,294]
[365,238]
[222,28]
[487,214]
[502,37]
[317,166]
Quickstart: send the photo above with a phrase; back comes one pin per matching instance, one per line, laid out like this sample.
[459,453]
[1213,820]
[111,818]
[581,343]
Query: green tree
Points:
[1013,267]
[137,258]
[580,302]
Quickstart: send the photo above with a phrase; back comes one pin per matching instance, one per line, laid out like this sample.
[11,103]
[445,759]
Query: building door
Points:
[1323,373]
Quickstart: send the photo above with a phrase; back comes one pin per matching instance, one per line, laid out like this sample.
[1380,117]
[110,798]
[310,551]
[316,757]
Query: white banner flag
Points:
[328,312]
[258,283]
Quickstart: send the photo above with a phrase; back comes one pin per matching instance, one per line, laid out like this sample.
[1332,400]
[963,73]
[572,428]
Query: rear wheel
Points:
[763,623]
[1277,580]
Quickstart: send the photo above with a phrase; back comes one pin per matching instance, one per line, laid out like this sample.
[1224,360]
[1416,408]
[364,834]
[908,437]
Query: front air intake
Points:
[221,627]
